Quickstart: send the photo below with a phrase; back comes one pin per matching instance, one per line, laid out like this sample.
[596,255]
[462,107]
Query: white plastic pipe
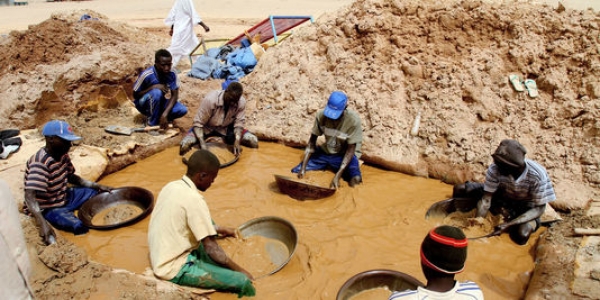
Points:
[415,128]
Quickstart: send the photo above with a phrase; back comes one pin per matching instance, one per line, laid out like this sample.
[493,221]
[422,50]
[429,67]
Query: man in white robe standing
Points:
[182,18]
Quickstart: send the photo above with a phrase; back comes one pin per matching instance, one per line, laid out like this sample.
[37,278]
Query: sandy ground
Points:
[394,59]
[225,18]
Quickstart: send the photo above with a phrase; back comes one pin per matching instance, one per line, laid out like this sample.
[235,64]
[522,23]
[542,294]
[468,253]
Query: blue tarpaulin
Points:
[224,62]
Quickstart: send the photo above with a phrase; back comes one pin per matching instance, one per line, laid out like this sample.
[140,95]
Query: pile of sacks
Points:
[227,62]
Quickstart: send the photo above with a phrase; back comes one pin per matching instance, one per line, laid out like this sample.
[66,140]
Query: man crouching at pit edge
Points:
[517,188]
[181,234]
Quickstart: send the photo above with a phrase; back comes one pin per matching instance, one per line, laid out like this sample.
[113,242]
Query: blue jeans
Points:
[154,103]
[63,217]
[322,161]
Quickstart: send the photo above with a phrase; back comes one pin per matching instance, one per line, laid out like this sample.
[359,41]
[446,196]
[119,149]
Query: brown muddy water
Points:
[377,225]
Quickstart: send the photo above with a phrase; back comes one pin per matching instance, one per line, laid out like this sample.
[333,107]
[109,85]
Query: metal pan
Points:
[120,198]
[445,207]
[217,149]
[273,228]
[380,278]
[301,190]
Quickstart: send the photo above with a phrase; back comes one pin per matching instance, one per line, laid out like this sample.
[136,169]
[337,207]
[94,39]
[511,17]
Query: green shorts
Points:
[201,271]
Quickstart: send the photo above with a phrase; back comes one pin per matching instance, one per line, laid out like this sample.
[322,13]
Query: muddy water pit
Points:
[377,225]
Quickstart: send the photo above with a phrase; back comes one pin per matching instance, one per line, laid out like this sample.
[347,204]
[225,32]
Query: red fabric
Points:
[266,31]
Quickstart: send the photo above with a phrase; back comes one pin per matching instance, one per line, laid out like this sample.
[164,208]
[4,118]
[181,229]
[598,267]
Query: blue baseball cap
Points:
[60,129]
[335,105]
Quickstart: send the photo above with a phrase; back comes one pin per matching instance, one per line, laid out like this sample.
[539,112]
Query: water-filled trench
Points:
[377,225]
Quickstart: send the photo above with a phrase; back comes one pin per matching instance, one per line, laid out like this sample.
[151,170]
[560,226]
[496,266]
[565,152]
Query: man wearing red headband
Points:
[443,254]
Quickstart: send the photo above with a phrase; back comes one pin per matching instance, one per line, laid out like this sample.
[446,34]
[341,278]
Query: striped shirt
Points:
[533,186]
[49,178]
[150,77]
[466,290]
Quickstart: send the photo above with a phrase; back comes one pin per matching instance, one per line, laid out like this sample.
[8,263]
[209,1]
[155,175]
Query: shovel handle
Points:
[495,233]
[146,129]
[156,127]
[150,128]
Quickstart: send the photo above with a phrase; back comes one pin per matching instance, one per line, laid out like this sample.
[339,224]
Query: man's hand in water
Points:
[104,188]
[335,182]
[226,231]
[237,149]
[502,227]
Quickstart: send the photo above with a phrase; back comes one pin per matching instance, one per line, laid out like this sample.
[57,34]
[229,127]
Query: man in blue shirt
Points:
[156,92]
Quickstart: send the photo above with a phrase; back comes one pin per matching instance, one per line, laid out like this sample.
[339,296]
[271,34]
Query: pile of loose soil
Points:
[450,61]
[480,227]
[56,41]
[555,258]
[64,67]
[64,271]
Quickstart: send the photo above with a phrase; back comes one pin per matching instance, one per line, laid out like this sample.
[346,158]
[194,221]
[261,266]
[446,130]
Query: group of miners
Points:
[181,233]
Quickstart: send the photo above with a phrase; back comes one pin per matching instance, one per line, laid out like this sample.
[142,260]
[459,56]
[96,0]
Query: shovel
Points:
[123,130]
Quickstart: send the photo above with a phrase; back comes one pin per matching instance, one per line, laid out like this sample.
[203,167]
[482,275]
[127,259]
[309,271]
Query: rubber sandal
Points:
[8,149]
[531,88]
[516,82]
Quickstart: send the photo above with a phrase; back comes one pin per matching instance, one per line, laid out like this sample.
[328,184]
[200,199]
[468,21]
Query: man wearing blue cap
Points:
[342,129]
[48,173]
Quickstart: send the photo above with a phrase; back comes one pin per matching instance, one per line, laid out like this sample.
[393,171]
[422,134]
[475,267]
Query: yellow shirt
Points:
[179,221]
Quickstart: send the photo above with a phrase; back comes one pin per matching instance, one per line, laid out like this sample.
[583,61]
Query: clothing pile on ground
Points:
[9,142]
[227,62]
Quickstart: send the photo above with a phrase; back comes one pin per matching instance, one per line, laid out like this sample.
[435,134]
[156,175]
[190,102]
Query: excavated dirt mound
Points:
[450,61]
[64,66]
[555,259]
[55,41]
[83,72]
